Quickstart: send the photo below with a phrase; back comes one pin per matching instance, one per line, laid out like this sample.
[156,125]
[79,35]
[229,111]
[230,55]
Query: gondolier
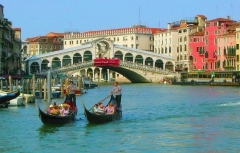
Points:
[117,91]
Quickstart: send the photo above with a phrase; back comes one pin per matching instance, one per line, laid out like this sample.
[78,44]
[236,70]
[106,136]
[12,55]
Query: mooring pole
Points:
[49,91]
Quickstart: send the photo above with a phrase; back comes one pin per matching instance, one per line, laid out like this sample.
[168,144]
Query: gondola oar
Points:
[104,99]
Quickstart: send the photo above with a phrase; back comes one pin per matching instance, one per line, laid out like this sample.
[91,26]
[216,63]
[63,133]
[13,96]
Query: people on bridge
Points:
[117,91]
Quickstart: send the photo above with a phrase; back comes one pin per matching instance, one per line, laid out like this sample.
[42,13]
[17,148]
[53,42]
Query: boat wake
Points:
[230,104]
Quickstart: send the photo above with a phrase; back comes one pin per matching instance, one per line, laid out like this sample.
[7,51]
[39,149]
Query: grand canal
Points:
[156,118]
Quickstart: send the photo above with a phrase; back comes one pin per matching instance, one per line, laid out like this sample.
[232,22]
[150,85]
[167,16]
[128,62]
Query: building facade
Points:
[196,47]
[175,40]
[45,44]
[227,49]
[138,37]
[238,48]
[10,46]
[213,29]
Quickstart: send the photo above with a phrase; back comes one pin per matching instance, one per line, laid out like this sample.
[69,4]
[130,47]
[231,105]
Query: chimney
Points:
[169,26]
[228,17]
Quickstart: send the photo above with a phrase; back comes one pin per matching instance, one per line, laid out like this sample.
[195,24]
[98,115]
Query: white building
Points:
[138,37]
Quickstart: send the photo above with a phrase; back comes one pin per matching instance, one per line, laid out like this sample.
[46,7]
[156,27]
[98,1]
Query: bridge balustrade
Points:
[122,63]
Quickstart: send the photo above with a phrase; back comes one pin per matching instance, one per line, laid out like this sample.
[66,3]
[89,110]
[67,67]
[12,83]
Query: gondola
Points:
[102,118]
[4,97]
[57,119]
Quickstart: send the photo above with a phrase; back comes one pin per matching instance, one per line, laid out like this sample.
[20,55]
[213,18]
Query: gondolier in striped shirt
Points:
[117,91]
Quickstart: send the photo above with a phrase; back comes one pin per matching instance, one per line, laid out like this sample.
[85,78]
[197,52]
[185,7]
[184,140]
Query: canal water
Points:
[156,118]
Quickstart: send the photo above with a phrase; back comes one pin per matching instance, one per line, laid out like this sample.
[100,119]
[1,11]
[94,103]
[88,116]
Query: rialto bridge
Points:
[136,65]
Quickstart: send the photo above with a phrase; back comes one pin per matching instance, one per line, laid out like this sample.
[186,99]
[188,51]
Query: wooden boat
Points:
[57,119]
[4,97]
[102,118]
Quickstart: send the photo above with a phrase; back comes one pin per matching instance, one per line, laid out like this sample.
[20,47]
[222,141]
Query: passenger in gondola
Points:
[110,109]
[95,108]
[101,108]
[65,110]
[55,110]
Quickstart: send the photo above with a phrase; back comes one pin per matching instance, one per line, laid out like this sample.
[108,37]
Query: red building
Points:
[213,29]
[197,51]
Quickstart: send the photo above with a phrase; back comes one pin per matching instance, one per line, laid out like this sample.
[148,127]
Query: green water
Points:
[156,118]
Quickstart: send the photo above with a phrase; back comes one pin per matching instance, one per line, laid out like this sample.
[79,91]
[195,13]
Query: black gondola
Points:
[102,118]
[57,119]
[8,96]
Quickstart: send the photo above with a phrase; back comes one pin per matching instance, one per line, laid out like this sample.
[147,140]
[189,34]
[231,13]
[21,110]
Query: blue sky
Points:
[38,17]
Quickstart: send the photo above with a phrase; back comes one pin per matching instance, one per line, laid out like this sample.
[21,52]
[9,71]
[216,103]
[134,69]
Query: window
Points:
[215,41]
[165,50]
[65,42]
[185,47]
[131,38]
[215,24]
[237,46]
[137,46]
[207,24]
[185,38]
[77,42]
[180,31]
[136,37]
[180,39]
[132,45]
[206,33]
[117,39]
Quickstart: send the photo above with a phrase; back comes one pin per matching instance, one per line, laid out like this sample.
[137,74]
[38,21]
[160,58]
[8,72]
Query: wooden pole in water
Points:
[66,84]
[33,84]
[45,90]
[61,87]
[27,84]
[89,81]
[79,83]
[98,81]
[22,84]
[49,91]
[40,88]
[1,84]
[16,88]
[10,83]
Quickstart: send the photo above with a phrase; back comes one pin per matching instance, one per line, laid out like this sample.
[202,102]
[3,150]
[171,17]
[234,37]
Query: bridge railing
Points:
[122,63]
[146,68]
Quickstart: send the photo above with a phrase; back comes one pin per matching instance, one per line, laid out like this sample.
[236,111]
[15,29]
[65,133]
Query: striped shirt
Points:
[117,90]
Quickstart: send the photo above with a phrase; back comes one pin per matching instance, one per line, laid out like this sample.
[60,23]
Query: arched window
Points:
[165,49]
[185,38]
[185,47]
[180,48]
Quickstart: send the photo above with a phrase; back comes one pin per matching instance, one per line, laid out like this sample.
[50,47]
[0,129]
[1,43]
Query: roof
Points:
[201,33]
[53,34]
[134,29]
[16,29]
[220,20]
[201,16]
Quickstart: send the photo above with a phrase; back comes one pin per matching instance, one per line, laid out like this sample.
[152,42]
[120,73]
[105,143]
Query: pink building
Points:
[226,49]
[213,29]
[196,46]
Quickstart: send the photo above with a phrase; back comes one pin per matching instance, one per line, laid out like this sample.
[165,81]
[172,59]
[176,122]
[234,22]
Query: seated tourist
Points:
[65,110]
[109,109]
[101,108]
[55,110]
[95,108]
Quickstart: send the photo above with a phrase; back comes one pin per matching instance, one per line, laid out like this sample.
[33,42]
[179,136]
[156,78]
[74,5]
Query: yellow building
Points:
[138,37]
[44,44]
[238,47]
